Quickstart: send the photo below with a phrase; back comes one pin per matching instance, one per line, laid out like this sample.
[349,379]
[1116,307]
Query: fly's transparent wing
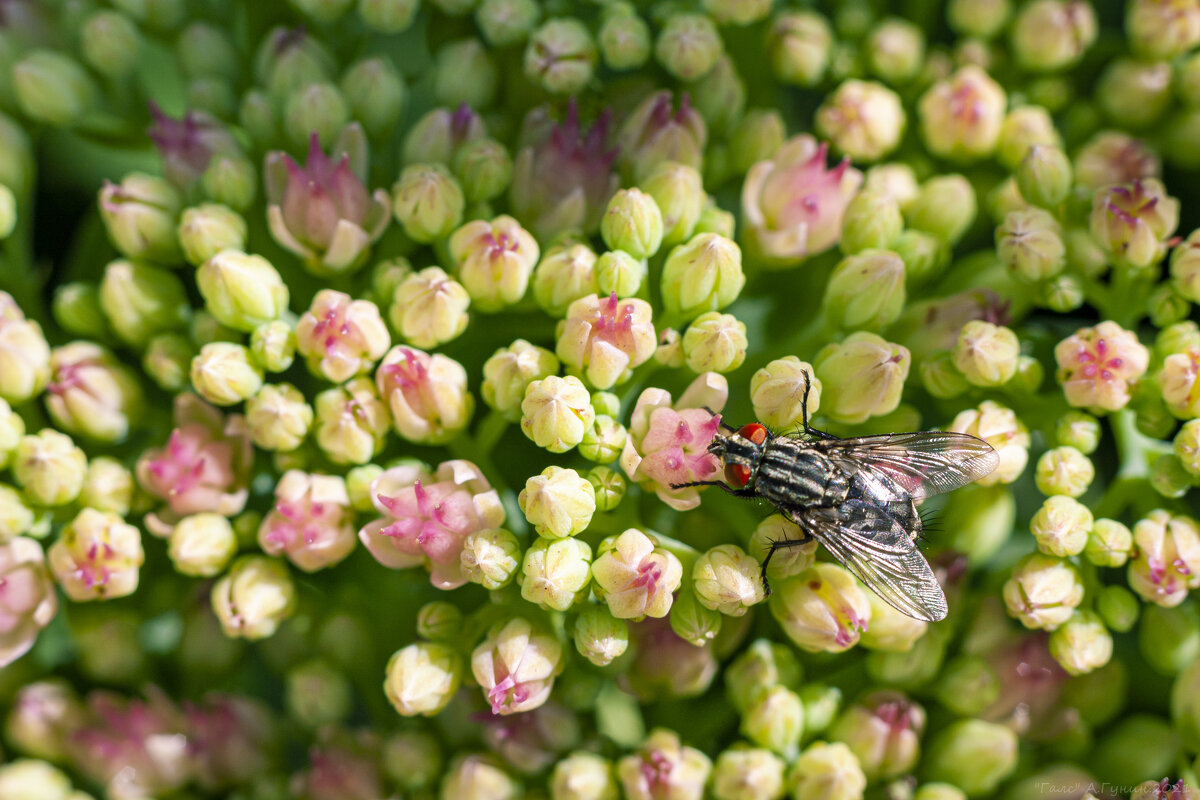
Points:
[871,542]
[924,463]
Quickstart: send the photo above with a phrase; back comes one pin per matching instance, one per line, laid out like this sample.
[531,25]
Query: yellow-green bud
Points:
[890,630]
[242,291]
[678,191]
[861,377]
[941,378]
[565,274]
[556,412]
[609,485]
[352,422]
[167,359]
[1118,607]
[560,56]
[799,45]
[558,503]
[828,771]
[1044,176]
[703,275]
[604,440]
[358,486]
[715,342]
[981,18]
[108,486]
[968,685]
[617,272]
[776,392]
[632,223]
[600,637]
[317,107]
[727,580]
[52,88]
[1064,471]
[872,221]
[866,290]
[1061,526]
[254,597]
[624,38]
[76,307]
[140,216]
[207,229]
[973,755]
[428,202]
[925,256]
[49,467]
[429,308]
[688,46]
[555,574]
[1043,591]
[1024,128]
[862,119]
[224,373]
[1166,306]
[278,417]
[484,168]
[944,207]
[273,345]
[1029,242]
[961,115]
[775,720]
[490,557]
[1078,429]
[986,354]
[747,773]
[760,666]
[510,371]
[422,678]
[1082,644]
[693,622]
[1063,293]
[141,301]
[201,545]
[788,561]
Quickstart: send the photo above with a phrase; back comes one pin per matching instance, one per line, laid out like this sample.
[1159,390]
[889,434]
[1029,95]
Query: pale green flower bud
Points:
[894,180]
[167,360]
[862,119]
[315,108]
[49,467]
[1062,293]
[464,73]
[429,308]
[617,272]
[945,207]
[604,440]
[1050,35]
[866,290]
[76,309]
[565,274]
[625,39]
[776,392]
[278,417]
[727,580]
[224,373]
[412,759]
[635,577]
[715,342]
[490,557]
[476,777]
[495,260]
[600,637]
[961,115]
[890,630]
[821,704]
[1169,638]
[1043,591]
[688,46]
[986,354]
[201,545]
[981,18]
[1029,242]
[703,275]
[821,609]
[376,94]
[973,755]
[941,378]
[1082,644]
[925,256]
[140,217]
[506,22]
[484,168]
[242,291]
[872,221]
[110,42]
[52,89]
[254,597]
[632,223]
[558,503]
[207,229]
[1044,176]
[799,44]
[555,574]
[560,56]
[999,427]
[669,352]
[692,622]
[358,486]
[775,720]
[352,423]
[273,345]
[556,412]
[1064,471]
[720,96]
[141,301]
[91,393]
[583,776]
[510,371]
[757,137]
[827,771]
[422,678]
[1169,477]
[316,694]
[388,16]
[1118,607]
[30,779]
[861,377]
[1136,93]
[12,428]
[747,773]
[1061,526]
[968,685]
[761,666]
[1187,446]
[108,486]
[428,202]
[1109,543]
[678,191]
[1023,129]
[231,179]
[609,485]
[1165,306]
[788,561]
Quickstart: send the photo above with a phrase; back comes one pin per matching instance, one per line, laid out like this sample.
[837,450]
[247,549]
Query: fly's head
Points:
[740,453]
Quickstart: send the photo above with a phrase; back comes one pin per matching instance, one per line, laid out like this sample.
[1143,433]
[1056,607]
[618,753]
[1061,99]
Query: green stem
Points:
[1137,454]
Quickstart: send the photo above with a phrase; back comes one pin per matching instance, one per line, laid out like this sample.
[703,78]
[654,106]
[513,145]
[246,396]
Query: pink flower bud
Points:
[341,337]
[515,666]
[495,260]
[961,116]
[655,132]
[1114,157]
[312,522]
[668,444]
[635,576]
[205,465]
[188,144]
[427,394]
[97,556]
[605,338]
[352,422]
[563,176]
[663,767]
[822,609]
[667,665]
[91,393]
[427,517]
[1133,221]
[1098,366]
[27,598]
[1167,559]
[43,717]
[793,205]
[323,212]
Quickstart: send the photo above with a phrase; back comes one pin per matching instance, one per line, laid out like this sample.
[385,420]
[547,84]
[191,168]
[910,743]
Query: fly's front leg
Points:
[780,544]
[722,486]
[811,431]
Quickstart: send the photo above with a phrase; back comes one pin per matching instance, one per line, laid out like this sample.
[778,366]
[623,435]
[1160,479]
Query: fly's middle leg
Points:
[810,430]
[780,544]
[722,486]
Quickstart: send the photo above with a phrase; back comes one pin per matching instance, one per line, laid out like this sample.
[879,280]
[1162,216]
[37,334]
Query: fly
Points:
[858,497]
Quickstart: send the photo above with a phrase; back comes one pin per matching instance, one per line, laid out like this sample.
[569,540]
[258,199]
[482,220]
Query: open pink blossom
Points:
[204,467]
[341,337]
[312,523]
[793,204]
[426,517]
[515,665]
[1098,366]
[668,444]
[605,338]
[27,598]
[1167,557]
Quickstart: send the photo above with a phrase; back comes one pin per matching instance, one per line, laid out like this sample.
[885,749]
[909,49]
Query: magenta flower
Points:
[668,443]
[312,523]
[793,204]
[322,211]
[27,598]
[230,739]
[205,465]
[426,517]
[187,144]
[563,176]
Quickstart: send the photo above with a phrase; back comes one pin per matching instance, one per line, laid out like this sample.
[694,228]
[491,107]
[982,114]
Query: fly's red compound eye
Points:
[737,474]
[754,432]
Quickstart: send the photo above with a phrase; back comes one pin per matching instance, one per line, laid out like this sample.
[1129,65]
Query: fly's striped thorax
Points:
[790,473]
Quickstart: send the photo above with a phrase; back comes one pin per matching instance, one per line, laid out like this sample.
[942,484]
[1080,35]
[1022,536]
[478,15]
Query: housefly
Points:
[857,497]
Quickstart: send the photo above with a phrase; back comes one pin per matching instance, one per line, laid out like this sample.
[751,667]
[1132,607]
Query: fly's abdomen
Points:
[790,474]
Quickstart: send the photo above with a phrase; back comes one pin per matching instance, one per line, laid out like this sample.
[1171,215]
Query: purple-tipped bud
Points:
[187,144]
[658,131]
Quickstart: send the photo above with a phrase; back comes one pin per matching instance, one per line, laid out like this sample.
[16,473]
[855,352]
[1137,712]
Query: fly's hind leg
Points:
[780,544]
[722,486]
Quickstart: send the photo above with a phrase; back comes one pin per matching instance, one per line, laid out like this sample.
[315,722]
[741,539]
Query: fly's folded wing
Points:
[924,463]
